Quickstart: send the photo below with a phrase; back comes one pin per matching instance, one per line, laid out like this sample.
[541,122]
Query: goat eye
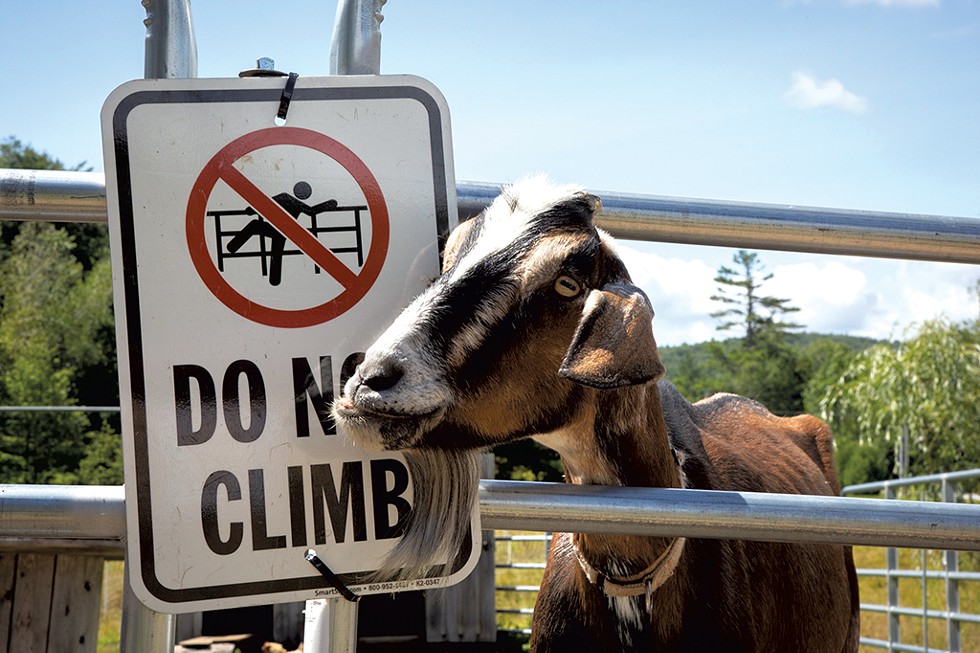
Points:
[567,286]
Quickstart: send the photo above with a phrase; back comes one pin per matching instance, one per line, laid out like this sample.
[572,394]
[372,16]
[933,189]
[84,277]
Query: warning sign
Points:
[253,263]
[277,220]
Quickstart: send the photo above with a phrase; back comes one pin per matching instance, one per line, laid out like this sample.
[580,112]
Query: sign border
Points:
[134,339]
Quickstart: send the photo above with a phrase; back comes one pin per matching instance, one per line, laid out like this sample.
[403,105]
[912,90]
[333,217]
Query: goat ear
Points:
[613,345]
[457,237]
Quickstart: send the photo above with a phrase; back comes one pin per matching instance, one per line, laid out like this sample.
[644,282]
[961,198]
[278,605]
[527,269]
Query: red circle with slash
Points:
[221,167]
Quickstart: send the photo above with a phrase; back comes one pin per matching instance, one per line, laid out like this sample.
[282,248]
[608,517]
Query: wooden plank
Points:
[32,602]
[75,604]
[8,565]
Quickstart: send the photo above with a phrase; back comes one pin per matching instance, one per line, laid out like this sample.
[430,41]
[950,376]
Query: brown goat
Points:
[534,329]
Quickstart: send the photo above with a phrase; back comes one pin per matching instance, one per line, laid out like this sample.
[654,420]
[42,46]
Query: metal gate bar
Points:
[97,513]
[80,197]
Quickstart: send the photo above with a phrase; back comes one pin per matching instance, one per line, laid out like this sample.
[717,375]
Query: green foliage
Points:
[51,314]
[526,460]
[56,343]
[102,464]
[929,384]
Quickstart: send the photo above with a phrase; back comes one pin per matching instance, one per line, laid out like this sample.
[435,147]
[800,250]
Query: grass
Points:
[110,620]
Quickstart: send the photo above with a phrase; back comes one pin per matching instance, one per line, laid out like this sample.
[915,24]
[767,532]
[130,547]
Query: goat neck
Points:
[619,437]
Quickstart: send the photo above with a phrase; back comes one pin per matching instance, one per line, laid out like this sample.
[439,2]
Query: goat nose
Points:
[380,375]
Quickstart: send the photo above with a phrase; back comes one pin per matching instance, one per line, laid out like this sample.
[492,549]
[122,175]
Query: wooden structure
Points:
[49,602]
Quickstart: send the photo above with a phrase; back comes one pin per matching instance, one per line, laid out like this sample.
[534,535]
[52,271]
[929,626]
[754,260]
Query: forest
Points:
[904,407]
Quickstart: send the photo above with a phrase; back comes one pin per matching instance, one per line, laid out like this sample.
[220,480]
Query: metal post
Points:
[171,51]
[951,566]
[143,630]
[924,558]
[356,45]
[331,626]
[891,566]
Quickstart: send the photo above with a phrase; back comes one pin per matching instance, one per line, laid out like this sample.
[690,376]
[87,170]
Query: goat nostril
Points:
[380,377]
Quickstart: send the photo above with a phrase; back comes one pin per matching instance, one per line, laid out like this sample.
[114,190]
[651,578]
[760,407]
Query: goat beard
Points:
[445,485]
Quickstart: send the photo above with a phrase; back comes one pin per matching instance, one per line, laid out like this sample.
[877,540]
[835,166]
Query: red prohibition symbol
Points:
[221,167]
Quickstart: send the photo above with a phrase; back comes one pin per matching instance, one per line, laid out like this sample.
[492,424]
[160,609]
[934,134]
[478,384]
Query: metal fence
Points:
[92,519]
[945,487]
[521,561]
[519,556]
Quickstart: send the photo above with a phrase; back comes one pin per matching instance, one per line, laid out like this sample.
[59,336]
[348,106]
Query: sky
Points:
[861,104]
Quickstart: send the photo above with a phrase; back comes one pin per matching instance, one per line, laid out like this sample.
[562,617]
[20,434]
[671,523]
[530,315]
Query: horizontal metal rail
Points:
[81,197]
[771,226]
[896,646]
[97,514]
[728,515]
[879,486]
[80,519]
[59,409]
[918,574]
[918,612]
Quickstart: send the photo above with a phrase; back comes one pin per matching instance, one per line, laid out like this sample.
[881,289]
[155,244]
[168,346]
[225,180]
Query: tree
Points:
[764,367]
[926,387]
[746,308]
[50,321]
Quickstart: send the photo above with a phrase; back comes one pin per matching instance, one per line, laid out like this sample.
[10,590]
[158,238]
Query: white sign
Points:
[252,262]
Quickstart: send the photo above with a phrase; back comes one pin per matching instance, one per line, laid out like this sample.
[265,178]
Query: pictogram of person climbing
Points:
[295,206]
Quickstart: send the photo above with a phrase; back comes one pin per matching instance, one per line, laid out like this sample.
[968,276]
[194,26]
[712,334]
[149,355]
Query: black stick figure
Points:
[294,206]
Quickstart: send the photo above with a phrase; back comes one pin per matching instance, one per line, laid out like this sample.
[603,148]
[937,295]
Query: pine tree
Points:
[739,290]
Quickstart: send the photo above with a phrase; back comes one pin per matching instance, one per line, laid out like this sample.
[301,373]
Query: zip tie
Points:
[331,577]
[287,97]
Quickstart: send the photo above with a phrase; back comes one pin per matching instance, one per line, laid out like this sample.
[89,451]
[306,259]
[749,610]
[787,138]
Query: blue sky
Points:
[840,103]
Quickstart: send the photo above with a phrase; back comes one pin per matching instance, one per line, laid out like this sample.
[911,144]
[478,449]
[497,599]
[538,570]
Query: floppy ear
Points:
[454,243]
[613,345]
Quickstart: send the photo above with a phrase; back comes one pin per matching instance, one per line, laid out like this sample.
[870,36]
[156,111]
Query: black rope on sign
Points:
[287,96]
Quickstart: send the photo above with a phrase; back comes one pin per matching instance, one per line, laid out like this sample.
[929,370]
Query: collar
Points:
[647,581]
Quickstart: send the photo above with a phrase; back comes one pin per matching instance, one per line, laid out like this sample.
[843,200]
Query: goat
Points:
[534,329]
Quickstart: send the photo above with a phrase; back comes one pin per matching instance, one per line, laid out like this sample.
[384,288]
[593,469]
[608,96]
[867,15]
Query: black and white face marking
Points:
[535,242]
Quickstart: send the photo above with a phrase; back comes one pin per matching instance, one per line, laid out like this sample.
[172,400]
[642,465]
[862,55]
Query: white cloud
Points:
[680,291]
[808,92]
[877,298]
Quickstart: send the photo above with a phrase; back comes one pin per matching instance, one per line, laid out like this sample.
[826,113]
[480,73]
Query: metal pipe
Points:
[356,45]
[80,197]
[52,195]
[728,515]
[770,226]
[98,513]
[59,409]
[170,48]
[944,477]
[142,629]
[61,512]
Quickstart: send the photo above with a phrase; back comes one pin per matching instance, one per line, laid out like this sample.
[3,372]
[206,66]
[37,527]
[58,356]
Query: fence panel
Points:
[950,575]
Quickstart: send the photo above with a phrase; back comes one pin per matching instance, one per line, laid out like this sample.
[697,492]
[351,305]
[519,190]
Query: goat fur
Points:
[491,353]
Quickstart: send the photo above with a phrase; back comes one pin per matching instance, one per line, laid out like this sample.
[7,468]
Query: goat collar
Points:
[645,582]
